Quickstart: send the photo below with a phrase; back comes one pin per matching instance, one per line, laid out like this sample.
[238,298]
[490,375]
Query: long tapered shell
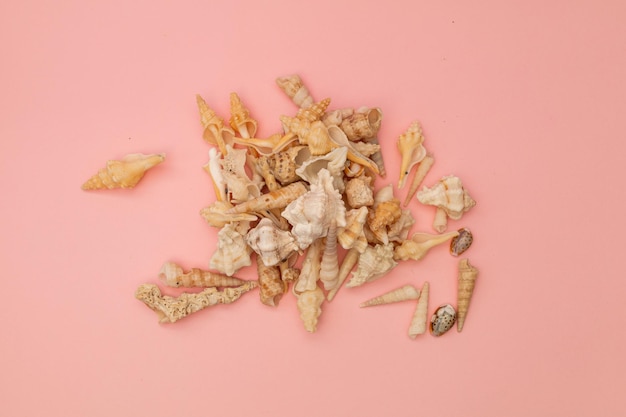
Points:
[309,305]
[411,147]
[420,173]
[310,272]
[124,173]
[274,199]
[313,134]
[420,316]
[329,267]
[216,215]
[232,252]
[420,243]
[295,89]
[173,275]
[215,133]
[284,164]
[355,220]
[377,157]
[407,292]
[171,309]
[348,262]
[271,286]
[240,119]
[268,146]
[466,282]
[362,124]
[270,243]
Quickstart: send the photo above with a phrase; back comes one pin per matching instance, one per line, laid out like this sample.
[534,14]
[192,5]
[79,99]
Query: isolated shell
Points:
[420,316]
[310,272]
[309,305]
[295,89]
[447,195]
[407,292]
[271,286]
[348,236]
[420,243]
[214,133]
[125,173]
[363,124]
[366,148]
[466,282]
[420,173]
[270,243]
[284,164]
[232,252]
[442,320]
[216,214]
[375,262]
[272,200]
[173,275]
[411,147]
[353,169]
[462,242]
[240,119]
[359,192]
[334,162]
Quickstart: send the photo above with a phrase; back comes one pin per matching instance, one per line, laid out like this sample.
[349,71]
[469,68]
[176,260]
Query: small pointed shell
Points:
[270,243]
[215,133]
[420,243]
[309,305]
[420,316]
[407,292]
[355,220]
[466,282]
[173,275]
[295,89]
[272,200]
[420,173]
[399,230]
[366,148]
[232,252]
[442,320]
[348,262]
[125,173]
[411,147]
[377,157]
[240,119]
[339,138]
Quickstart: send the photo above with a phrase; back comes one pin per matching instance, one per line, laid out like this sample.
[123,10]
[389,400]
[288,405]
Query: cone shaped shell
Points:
[173,275]
[420,243]
[407,292]
[420,316]
[125,173]
[466,282]
[295,89]
[240,119]
[410,145]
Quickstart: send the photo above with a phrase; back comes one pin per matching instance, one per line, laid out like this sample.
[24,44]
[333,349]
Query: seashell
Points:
[263,168]
[215,172]
[339,138]
[287,273]
[466,282]
[420,243]
[309,305]
[420,173]
[366,148]
[377,158]
[418,322]
[348,262]
[411,147]
[407,292]
[314,112]
[232,251]
[442,320]
[384,214]
[270,243]
[240,119]
[239,189]
[275,143]
[399,230]
[215,133]
[462,242]
[271,286]
[359,192]
[333,162]
[314,134]
[375,262]
[362,124]
[450,198]
[274,199]
[125,173]
[335,117]
[170,309]
[173,275]
[310,272]
[311,214]
[284,164]
[216,215]
[355,220]
[353,169]
[294,88]
[329,267]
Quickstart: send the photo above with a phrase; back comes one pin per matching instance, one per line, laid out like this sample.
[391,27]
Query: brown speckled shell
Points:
[462,242]
[442,320]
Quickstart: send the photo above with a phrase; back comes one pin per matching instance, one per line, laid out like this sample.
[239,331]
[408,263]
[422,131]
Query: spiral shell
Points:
[125,173]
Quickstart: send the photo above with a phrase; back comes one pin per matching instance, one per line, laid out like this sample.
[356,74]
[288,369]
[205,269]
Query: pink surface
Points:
[525,103]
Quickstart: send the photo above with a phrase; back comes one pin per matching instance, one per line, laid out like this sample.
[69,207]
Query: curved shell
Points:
[215,172]
[215,133]
[284,164]
[359,192]
[270,243]
[362,124]
[375,262]
[314,134]
[232,251]
[295,89]
[216,215]
[399,230]
[449,195]
[309,305]
[420,315]
[173,275]
[420,243]
[334,162]
[442,320]
[405,293]
[462,242]
[271,286]
[384,214]
[466,282]
[240,119]
[125,173]
[411,147]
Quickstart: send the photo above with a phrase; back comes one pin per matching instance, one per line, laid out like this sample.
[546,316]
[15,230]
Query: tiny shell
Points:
[450,198]
[240,119]
[442,320]
[419,244]
[216,215]
[462,242]
[125,173]
[329,267]
[355,220]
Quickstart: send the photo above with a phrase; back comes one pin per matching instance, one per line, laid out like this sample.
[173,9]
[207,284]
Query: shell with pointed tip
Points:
[215,171]
[329,267]
[362,124]
[420,173]
[442,320]
[374,263]
[366,148]
[466,282]
[411,147]
[462,242]
[348,262]
[125,173]
[295,89]
[359,192]
[399,230]
[449,195]
[215,133]
[310,272]
[173,275]
[271,286]
[377,157]
[309,305]
[232,252]
[420,243]
[270,243]
[216,215]
[334,162]
[355,220]
[313,112]
[339,138]
[407,292]
[284,164]
[384,214]
[420,315]
[272,200]
[240,119]
[313,134]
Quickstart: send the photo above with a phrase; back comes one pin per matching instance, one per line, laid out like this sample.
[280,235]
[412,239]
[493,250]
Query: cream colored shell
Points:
[310,307]
[232,252]
[270,243]
[124,173]
[374,263]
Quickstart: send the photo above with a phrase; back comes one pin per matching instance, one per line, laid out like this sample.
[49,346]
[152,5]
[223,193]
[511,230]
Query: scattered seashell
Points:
[270,243]
[271,286]
[377,157]
[216,215]
[411,147]
[232,251]
[284,164]
[295,89]
[420,316]
[310,272]
[420,173]
[375,262]
[125,173]
[215,133]
[442,320]
[309,305]
[348,236]
[450,198]
[362,124]
[339,138]
[274,199]
[333,162]
[399,230]
[407,292]
[420,243]
[359,192]
[240,119]
[214,170]
[466,282]
[170,309]
[462,242]
[173,275]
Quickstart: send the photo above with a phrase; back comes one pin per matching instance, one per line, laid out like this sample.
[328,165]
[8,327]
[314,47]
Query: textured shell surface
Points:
[271,286]
[240,119]
[449,195]
[405,293]
[216,215]
[124,173]
[442,320]
[310,272]
[462,242]
[359,192]
[410,145]
[419,244]
[334,162]
[374,263]
[173,275]
[399,230]
[232,252]
[467,277]
[285,163]
[366,148]
[309,305]
[362,124]
[215,133]
[279,198]
[355,220]
[385,214]
[270,243]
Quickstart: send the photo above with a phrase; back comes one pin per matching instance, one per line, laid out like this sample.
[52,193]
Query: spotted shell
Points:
[442,320]
[462,242]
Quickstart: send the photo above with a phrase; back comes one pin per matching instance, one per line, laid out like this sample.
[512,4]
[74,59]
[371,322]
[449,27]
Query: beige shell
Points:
[411,147]
[232,252]
[420,173]
[284,164]
[309,305]
[214,169]
[466,282]
[263,168]
[459,244]
[420,316]
[399,230]
[268,146]
[295,89]
[173,275]
[420,243]
[348,236]
[216,215]
[353,169]
[271,286]
[125,173]
[377,158]
[359,192]
[310,272]
[313,134]
[362,124]
[240,119]
[329,267]
[374,263]
[348,262]
[336,116]
[366,148]
[334,162]
[272,200]
[449,196]
[407,292]
[215,133]
[270,243]
[171,309]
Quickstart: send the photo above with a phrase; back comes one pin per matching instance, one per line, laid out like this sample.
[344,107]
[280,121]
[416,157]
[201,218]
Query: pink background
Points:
[524,101]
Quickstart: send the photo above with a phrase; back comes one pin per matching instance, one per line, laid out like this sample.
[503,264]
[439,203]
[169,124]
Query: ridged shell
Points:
[375,262]
[410,145]
[355,220]
[405,293]
[216,215]
[399,230]
[420,315]
[366,148]
[339,138]
[270,243]
[466,282]
[420,243]
[462,242]
[449,195]
[272,200]
[125,173]
[173,275]
[385,214]
[284,164]
[334,162]
[309,305]
[313,134]
[215,133]
[240,119]
[213,168]
[271,286]
[363,124]
[232,252]
[310,272]
[359,192]
[442,320]
[295,89]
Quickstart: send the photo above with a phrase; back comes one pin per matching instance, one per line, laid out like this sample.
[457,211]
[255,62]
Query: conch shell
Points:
[271,286]
[125,173]
[375,262]
[240,119]
[450,198]
[232,251]
[362,124]
[274,199]
[407,292]
[420,243]
[411,147]
[309,305]
[466,282]
[295,89]
[173,275]
[420,316]
[215,133]
[270,243]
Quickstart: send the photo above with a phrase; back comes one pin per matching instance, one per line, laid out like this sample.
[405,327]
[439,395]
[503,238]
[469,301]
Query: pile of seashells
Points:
[303,192]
